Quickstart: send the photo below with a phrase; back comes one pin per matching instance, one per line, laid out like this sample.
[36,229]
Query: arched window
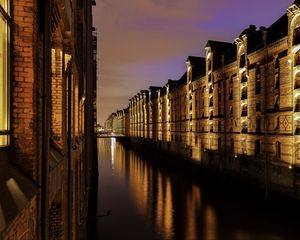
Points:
[297,105]
[4,80]
[244,110]
[297,131]
[244,127]
[244,77]
[242,60]
[297,59]
[244,93]
[211,102]
[296,36]
[297,80]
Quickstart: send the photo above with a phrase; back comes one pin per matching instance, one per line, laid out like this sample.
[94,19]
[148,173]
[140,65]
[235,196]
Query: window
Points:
[244,77]
[258,107]
[219,143]
[297,80]
[211,102]
[4,77]
[244,110]
[242,60]
[244,93]
[278,149]
[258,124]
[297,59]
[297,105]
[296,37]
[257,78]
[257,147]
[244,127]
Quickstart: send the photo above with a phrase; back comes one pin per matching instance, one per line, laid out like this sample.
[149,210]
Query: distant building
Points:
[237,109]
[46,118]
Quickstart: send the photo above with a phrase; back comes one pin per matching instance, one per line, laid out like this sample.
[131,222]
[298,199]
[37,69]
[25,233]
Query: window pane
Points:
[4,4]
[3,140]
[3,80]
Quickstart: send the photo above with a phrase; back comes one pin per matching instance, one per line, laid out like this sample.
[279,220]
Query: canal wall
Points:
[272,178]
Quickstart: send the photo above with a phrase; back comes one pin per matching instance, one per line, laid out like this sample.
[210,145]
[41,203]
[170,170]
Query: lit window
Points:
[4,80]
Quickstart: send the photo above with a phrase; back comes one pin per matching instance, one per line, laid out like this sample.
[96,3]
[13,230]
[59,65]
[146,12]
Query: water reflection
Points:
[151,203]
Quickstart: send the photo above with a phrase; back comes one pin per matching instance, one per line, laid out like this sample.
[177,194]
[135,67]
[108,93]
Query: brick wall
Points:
[55,224]
[26,86]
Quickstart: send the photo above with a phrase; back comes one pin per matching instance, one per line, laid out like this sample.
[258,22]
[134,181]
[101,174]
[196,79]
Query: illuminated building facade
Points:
[237,109]
[46,118]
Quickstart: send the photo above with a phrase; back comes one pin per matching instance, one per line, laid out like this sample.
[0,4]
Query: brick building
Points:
[47,90]
[236,109]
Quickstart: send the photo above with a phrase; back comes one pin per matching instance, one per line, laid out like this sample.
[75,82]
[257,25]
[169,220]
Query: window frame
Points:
[5,14]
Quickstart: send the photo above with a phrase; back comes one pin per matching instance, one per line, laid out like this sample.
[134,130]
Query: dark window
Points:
[196,140]
[297,105]
[278,149]
[244,93]
[211,129]
[297,131]
[209,77]
[258,107]
[296,37]
[257,78]
[244,110]
[258,125]
[244,77]
[244,127]
[242,60]
[219,126]
[219,143]
[211,102]
[297,59]
[230,111]
[276,105]
[257,147]
[230,93]
[297,80]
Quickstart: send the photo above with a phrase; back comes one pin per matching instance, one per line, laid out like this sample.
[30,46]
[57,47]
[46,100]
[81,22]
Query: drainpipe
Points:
[46,120]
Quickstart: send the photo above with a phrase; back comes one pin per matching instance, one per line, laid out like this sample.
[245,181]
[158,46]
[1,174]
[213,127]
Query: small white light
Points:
[289,61]
[290,167]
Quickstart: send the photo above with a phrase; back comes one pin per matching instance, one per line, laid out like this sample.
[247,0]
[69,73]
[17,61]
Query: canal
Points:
[138,200]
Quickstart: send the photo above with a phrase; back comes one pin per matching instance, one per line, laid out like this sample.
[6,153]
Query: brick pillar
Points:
[57,97]
[26,86]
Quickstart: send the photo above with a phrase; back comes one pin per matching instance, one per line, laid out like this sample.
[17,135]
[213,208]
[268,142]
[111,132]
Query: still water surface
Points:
[149,202]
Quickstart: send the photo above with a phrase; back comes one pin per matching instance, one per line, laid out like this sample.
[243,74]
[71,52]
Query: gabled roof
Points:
[278,29]
[198,66]
[218,45]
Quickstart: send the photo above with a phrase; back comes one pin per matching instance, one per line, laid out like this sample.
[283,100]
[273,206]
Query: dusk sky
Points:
[144,43]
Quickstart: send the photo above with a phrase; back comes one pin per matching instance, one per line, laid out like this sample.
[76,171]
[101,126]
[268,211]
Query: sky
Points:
[144,43]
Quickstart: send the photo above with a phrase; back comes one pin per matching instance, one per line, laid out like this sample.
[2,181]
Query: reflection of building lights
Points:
[235,155]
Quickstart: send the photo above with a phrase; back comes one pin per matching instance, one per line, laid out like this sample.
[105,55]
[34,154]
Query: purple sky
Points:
[146,42]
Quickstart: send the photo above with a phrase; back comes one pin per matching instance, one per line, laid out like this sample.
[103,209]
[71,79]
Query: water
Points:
[137,200]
